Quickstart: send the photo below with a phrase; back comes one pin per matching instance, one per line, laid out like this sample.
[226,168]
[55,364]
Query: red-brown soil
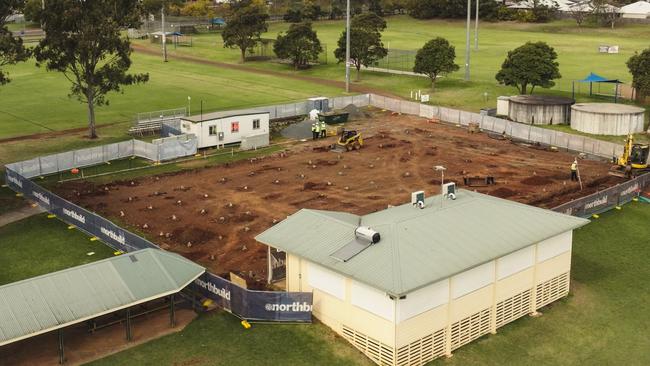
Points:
[245,198]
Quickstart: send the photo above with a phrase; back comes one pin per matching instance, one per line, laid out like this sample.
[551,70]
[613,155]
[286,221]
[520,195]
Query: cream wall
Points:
[437,306]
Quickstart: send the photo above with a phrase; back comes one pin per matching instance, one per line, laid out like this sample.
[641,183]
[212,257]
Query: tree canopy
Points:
[83,41]
[300,45]
[639,66]
[532,64]
[12,49]
[435,58]
[365,41]
[244,26]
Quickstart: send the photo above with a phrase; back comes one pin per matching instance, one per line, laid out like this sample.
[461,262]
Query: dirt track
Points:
[241,200]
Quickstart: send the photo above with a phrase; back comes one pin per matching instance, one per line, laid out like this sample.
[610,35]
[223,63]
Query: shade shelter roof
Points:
[59,299]
[594,78]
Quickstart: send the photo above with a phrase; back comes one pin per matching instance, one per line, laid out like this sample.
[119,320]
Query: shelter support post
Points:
[129,336]
[61,349]
[172,312]
[573,90]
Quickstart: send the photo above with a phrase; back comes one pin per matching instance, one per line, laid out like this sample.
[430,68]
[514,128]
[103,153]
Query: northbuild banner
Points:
[252,305]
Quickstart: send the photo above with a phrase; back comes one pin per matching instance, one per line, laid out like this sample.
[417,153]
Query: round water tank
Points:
[540,109]
[607,118]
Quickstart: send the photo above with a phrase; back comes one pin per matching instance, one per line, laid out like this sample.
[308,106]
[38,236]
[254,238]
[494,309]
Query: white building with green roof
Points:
[437,278]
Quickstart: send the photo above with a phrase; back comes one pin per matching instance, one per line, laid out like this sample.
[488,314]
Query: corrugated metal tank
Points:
[607,118]
[540,110]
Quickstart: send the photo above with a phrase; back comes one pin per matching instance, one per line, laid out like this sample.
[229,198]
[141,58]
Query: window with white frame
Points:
[234,127]
[256,124]
[212,130]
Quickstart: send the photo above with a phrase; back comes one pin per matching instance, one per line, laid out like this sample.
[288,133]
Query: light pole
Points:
[164,37]
[189,105]
[469,20]
[347,47]
[476,28]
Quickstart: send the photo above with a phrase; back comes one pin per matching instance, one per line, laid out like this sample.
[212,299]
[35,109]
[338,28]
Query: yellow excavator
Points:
[349,140]
[634,160]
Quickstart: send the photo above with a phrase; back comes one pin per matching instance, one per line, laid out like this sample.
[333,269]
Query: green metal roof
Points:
[58,299]
[419,246]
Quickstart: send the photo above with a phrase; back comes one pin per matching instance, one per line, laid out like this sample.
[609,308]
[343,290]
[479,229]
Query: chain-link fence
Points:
[263,50]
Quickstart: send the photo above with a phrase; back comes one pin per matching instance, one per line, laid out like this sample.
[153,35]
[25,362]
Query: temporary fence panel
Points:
[361,100]
[411,108]
[378,101]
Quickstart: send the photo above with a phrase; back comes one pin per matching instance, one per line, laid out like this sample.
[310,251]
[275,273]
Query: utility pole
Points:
[469,20]
[347,48]
[164,37]
[476,28]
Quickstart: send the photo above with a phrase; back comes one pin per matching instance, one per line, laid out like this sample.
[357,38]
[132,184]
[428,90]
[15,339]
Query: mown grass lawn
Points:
[37,101]
[38,245]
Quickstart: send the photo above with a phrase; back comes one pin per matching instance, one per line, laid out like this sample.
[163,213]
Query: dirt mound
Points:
[503,192]
[354,111]
[192,234]
[311,186]
[536,180]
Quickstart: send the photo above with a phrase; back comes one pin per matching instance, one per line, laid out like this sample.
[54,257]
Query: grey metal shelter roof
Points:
[59,299]
[419,246]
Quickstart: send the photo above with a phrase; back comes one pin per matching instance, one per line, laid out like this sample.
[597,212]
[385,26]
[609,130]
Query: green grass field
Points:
[38,245]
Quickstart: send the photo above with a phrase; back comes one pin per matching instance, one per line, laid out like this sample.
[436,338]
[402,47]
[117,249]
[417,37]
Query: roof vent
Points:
[449,190]
[133,258]
[417,199]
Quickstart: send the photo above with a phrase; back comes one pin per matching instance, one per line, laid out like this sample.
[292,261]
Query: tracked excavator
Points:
[634,160]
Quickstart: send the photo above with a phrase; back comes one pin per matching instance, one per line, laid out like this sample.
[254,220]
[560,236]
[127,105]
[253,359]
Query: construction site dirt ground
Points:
[212,215]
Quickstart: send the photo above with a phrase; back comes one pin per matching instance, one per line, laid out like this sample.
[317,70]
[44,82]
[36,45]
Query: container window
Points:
[234,127]
[256,124]
[213,130]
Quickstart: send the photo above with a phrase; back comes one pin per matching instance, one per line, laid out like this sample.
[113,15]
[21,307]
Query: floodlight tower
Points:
[469,20]
[347,47]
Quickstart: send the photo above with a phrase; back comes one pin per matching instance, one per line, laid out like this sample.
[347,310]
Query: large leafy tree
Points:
[365,42]
[300,45]
[435,58]
[12,49]
[530,65]
[639,66]
[244,26]
[83,42]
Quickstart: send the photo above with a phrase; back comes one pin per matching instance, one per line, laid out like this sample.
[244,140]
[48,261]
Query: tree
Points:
[369,21]
[607,11]
[639,66]
[12,49]
[531,64]
[300,45]
[365,48]
[435,58]
[580,11]
[244,26]
[83,41]
[154,6]
[32,10]
[200,8]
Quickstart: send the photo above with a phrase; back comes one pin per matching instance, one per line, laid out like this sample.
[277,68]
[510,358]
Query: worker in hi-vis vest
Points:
[317,130]
[574,170]
[314,134]
[323,129]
